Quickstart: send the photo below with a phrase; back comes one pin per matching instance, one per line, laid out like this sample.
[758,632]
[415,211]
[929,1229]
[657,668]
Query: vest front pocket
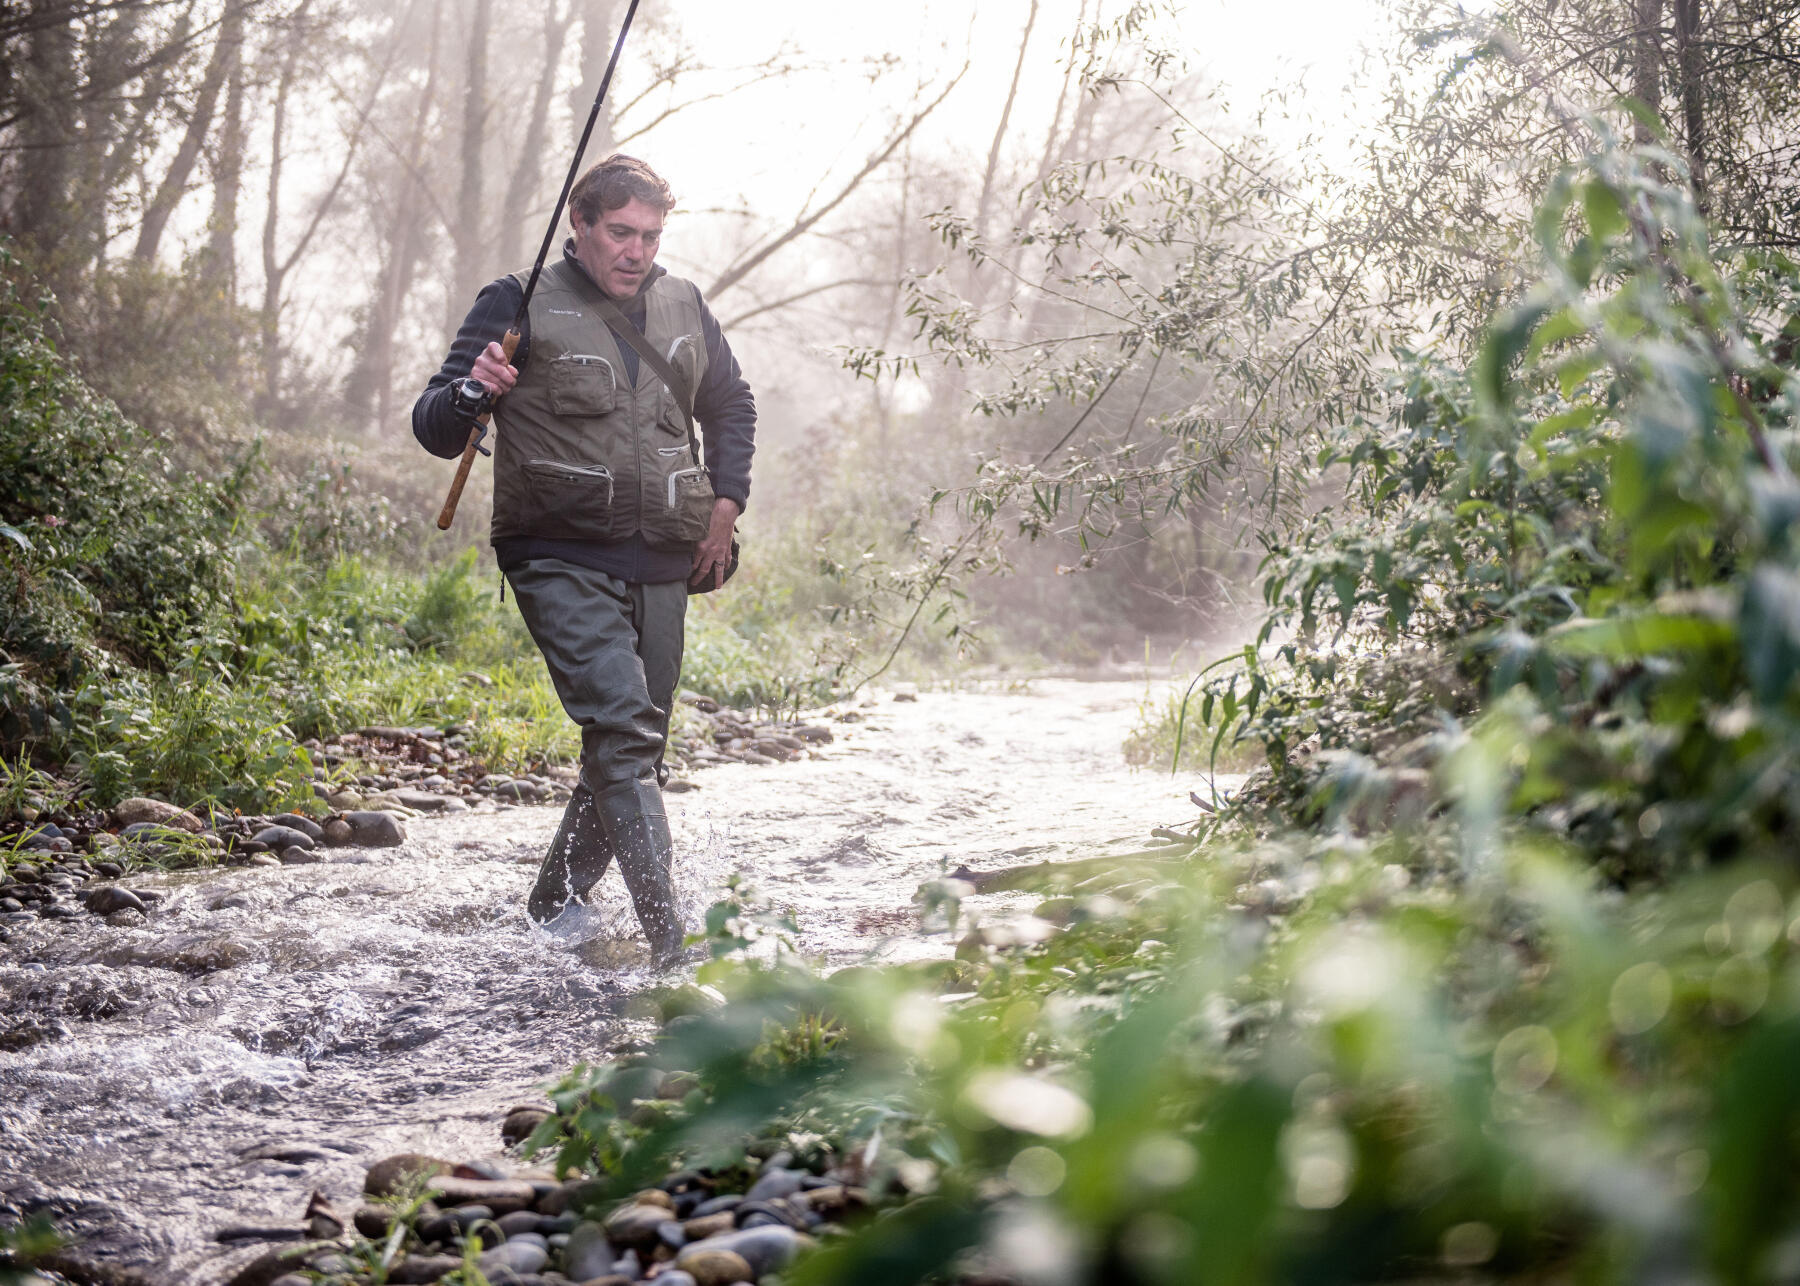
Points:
[582,384]
[687,509]
[571,501]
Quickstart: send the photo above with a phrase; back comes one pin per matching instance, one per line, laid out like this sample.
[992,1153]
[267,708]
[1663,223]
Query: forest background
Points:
[1496,408]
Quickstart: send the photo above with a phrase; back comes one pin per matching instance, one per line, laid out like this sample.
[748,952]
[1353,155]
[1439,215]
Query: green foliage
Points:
[111,554]
[1369,1070]
[1582,542]
[1394,1016]
[23,1244]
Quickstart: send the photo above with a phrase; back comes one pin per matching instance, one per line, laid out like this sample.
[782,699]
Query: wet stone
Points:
[415,1270]
[775,1183]
[715,1266]
[637,1226]
[338,832]
[375,829]
[588,1253]
[306,825]
[155,810]
[393,1175]
[502,1196]
[523,1254]
[110,897]
[766,1250]
[519,1221]
[283,837]
[520,1122]
[294,855]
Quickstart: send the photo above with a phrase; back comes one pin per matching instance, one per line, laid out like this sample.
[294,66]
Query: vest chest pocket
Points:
[686,511]
[582,384]
[572,501]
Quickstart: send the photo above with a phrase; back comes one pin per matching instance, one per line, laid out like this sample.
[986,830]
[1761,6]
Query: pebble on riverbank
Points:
[532,1229]
[373,780]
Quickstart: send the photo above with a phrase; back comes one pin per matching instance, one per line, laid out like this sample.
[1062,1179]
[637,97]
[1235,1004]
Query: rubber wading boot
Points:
[576,860]
[638,830]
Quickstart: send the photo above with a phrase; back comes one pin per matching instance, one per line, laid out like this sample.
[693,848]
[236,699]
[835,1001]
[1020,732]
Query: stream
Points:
[271,1031]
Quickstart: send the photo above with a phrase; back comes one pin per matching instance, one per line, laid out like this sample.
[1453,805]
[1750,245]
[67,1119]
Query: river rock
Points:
[700,1227]
[766,1249]
[282,1261]
[675,1277]
[423,800]
[775,1183]
[393,1175]
[375,829]
[520,1122]
[835,1200]
[154,810]
[296,822]
[588,1253]
[519,1221]
[338,832]
[714,1266]
[521,1256]
[110,897]
[415,1270]
[577,1195]
[284,837]
[502,1196]
[636,1225]
[373,1222]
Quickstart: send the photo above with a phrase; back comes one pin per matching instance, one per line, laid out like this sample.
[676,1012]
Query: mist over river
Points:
[271,1031]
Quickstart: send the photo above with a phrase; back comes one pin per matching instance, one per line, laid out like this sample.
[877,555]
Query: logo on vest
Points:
[564,312]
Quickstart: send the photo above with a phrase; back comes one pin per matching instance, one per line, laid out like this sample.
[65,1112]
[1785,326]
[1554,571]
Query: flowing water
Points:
[270,1031]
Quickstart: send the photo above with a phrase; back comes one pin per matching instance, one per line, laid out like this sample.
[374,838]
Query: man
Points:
[603,517]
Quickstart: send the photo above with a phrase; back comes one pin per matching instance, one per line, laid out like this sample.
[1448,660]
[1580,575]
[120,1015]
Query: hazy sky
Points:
[776,139]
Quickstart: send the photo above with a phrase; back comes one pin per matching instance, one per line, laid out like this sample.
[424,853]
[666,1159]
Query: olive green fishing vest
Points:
[579,454]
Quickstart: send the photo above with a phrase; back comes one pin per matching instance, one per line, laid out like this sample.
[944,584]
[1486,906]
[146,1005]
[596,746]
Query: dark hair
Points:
[614,182]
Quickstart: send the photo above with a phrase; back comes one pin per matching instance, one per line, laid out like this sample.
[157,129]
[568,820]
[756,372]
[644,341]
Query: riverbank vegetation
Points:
[1487,971]
[1490,971]
[179,632]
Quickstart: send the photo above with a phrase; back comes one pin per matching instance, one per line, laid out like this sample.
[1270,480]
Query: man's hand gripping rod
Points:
[510,343]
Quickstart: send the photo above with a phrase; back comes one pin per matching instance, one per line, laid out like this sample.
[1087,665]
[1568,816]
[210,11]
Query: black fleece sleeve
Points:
[437,426]
[727,415]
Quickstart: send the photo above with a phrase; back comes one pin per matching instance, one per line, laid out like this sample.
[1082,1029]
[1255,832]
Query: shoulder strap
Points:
[620,325]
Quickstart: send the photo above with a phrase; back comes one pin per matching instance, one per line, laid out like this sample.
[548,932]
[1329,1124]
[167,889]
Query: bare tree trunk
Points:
[984,205]
[174,183]
[472,252]
[522,189]
[369,393]
[268,318]
[1646,62]
[596,47]
[36,216]
[1690,67]
[228,168]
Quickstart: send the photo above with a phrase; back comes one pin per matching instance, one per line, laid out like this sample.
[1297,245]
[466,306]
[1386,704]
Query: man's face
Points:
[619,247]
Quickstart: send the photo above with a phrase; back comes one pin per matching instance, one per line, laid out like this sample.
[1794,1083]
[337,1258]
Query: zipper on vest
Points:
[674,481]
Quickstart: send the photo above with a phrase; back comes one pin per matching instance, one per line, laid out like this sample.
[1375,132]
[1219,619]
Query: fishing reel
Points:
[471,399]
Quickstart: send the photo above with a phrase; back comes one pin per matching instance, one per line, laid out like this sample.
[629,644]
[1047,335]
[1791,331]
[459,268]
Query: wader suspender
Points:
[620,325]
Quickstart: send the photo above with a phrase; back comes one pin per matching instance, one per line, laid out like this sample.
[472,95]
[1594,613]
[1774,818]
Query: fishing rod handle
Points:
[509,343]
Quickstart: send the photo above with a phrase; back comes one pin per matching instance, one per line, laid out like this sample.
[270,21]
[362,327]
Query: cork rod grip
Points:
[509,344]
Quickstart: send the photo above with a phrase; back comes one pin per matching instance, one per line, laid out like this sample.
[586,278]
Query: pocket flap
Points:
[583,384]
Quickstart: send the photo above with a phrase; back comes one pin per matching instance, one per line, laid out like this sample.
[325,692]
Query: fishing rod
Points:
[479,397]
